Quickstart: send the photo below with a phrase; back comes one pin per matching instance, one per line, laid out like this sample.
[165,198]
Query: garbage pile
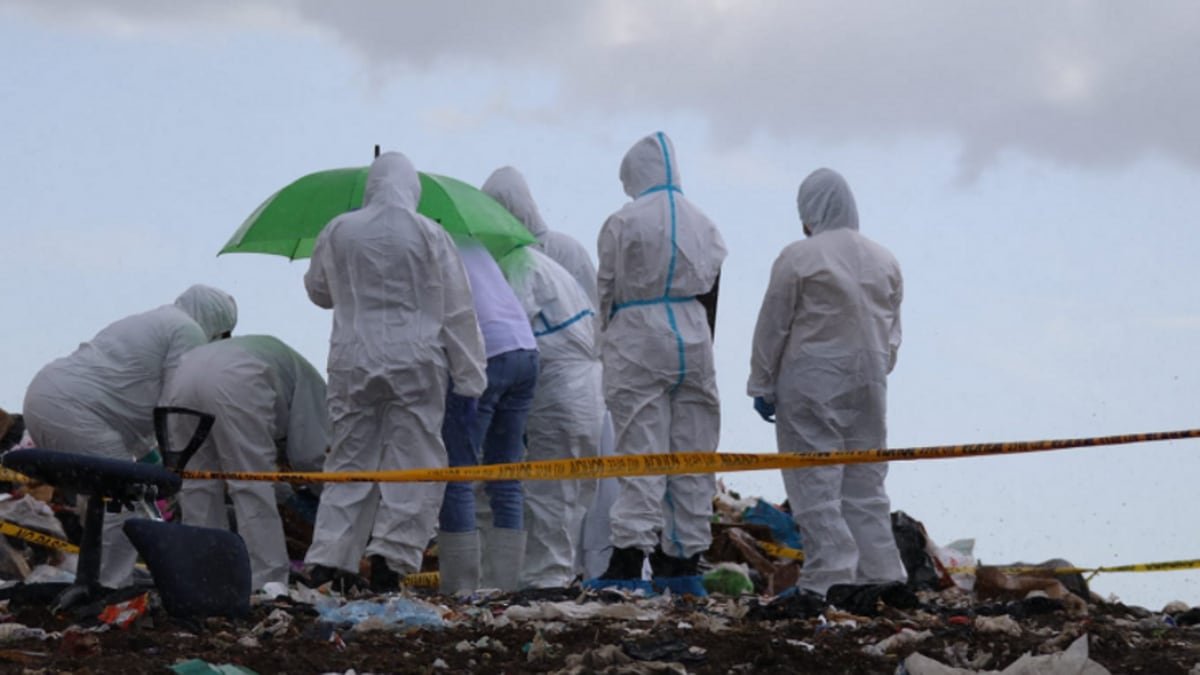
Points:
[953,617]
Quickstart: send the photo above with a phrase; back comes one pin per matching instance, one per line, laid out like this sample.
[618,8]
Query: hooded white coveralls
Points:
[262,393]
[507,186]
[827,337]
[656,255]
[567,414]
[100,400]
[403,323]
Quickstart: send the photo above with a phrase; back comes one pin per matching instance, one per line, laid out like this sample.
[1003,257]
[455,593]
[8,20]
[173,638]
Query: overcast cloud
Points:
[1078,83]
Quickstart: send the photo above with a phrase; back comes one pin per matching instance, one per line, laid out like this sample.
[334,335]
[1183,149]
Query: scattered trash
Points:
[12,632]
[394,612]
[729,579]
[1073,660]
[199,667]
[998,624]
[664,650]
[77,642]
[782,525]
[905,637]
[123,614]
[913,543]
[866,599]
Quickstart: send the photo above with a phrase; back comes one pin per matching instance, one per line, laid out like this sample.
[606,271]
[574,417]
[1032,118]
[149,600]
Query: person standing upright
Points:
[660,260]
[827,337]
[567,417]
[403,325]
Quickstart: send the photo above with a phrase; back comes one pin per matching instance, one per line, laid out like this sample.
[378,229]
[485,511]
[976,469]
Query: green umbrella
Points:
[289,221]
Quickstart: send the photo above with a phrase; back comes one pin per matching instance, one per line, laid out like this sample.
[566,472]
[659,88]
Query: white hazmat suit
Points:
[657,254]
[263,395]
[100,400]
[567,414]
[827,337]
[403,323]
[507,186]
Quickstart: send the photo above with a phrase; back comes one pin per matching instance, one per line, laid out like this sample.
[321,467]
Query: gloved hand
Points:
[764,409]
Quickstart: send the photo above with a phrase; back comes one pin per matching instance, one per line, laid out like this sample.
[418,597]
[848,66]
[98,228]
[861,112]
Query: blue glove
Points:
[764,409]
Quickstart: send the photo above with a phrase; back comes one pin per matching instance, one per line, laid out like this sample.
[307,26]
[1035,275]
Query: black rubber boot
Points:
[383,579]
[625,563]
[668,566]
[342,581]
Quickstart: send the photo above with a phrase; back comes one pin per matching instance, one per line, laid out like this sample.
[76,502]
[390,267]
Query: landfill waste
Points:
[729,579]
[390,613]
[752,621]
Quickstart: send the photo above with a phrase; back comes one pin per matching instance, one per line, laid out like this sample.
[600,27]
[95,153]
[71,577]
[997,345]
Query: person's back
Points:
[375,274]
[557,306]
[261,393]
[403,327]
[658,255]
[507,186]
[501,317]
[118,375]
[826,338]
[263,362]
[100,399]
[850,300]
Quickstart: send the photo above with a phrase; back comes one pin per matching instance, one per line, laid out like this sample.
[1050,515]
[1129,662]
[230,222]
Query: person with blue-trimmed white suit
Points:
[660,260]
[567,416]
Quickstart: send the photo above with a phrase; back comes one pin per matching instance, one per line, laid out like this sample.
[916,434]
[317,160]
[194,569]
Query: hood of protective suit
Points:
[650,163]
[212,308]
[392,180]
[507,186]
[826,203]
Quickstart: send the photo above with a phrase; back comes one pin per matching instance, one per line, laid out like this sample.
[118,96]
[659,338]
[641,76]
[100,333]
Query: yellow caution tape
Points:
[1169,566]
[686,462]
[780,551]
[10,476]
[423,580]
[35,537]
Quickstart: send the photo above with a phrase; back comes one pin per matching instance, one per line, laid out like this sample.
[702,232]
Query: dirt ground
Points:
[713,635]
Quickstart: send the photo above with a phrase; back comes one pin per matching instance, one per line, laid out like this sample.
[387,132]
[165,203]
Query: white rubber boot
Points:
[506,554]
[458,561]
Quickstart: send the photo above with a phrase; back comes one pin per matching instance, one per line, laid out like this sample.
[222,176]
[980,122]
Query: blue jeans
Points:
[499,429]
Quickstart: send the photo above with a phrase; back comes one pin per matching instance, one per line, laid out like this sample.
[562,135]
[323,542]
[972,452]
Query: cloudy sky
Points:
[1033,166]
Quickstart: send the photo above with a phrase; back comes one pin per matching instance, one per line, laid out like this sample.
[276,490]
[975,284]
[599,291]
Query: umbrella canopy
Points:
[288,222]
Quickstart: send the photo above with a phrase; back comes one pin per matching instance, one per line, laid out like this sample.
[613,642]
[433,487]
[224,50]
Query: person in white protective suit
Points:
[826,339]
[403,325]
[507,186]
[100,400]
[264,396]
[568,408]
[660,259]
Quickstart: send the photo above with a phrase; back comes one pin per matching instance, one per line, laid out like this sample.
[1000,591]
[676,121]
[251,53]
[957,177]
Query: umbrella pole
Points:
[376,149]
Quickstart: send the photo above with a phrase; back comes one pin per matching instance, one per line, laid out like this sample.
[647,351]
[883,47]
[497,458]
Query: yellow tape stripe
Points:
[781,551]
[35,537]
[687,462]
[423,580]
[1169,566]
[10,476]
